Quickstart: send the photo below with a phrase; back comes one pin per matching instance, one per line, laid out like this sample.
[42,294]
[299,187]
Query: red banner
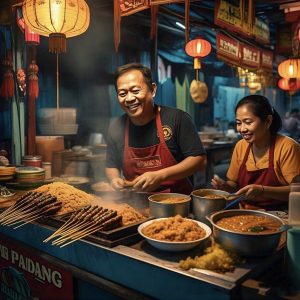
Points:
[26,276]
[129,7]
[228,49]
[250,56]
[266,60]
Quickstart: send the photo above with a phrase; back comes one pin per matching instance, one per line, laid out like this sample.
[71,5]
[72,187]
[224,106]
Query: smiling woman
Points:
[264,163]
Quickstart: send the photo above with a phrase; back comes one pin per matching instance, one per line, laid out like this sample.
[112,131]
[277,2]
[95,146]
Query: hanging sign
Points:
[228,49]
[156,2]
[228,15]
[129,7]
[284,39]
[250,56]
[266,60]
[24,275]
[261,31]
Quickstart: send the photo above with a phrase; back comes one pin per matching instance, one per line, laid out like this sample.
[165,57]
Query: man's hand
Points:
[149,181]
[117,183]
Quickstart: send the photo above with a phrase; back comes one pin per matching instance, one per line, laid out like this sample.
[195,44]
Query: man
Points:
[157,148]
[292,123]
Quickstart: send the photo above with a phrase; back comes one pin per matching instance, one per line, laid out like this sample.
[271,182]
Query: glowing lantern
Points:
[290,85]
[289,68]
[56,19]
[197,48]
[31,37]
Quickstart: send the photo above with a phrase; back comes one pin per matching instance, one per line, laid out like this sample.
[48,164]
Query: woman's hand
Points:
[149,181]
[251,191]
[117,183]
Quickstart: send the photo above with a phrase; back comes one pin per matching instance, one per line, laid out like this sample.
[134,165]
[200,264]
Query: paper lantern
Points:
[290,85]
[57,19]
[289,68]
[197,48]
[198,91]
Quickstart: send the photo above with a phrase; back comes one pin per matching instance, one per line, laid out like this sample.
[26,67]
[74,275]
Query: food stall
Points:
[117,264]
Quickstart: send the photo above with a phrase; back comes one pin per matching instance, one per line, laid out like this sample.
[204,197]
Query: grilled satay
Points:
[95,227]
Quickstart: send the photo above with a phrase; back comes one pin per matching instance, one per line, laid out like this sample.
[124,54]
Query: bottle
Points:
[47,167]
[294,205]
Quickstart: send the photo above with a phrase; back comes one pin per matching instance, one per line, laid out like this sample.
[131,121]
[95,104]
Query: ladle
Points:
[236,200]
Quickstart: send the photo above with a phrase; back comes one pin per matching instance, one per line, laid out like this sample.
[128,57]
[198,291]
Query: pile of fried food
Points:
[215,259]
[174,229]
[130,215]
[71,197]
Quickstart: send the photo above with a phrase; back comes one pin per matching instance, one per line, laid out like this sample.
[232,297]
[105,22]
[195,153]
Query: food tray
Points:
[124,235]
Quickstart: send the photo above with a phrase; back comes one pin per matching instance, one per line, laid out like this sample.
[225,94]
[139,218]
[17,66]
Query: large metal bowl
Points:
[203,206]
[246,244]
[159,209]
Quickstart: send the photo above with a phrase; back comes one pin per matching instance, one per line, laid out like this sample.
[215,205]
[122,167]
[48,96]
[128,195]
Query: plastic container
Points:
[293,257]
[294,205]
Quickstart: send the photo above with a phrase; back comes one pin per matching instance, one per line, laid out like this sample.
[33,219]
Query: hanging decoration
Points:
[289,68]
[7,89]
[57,20]
[21,79]
[198,91]
[197,48]
[31,37]
[289,85]
[33,84]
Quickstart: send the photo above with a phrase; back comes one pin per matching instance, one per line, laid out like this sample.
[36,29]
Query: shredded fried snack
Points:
[130,215]
[174,229]
[215,259]
[70,197]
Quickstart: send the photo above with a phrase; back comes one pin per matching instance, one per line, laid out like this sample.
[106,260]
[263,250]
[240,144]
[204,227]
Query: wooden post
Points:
[31,108]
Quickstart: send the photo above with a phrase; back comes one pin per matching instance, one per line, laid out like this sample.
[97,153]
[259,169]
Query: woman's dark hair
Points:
[146,72]
[261,107]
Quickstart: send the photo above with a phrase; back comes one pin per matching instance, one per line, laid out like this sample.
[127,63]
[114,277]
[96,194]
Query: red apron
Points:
[266,177]
[137,161]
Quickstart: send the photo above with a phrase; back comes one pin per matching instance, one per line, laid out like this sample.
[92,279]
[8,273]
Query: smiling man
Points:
[157,148]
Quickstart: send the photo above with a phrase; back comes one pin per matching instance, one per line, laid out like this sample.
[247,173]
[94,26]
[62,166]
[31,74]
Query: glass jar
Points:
[32,160]
[47,166]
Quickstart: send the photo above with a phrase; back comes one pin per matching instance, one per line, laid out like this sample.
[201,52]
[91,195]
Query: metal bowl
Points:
[246,244]
[203,206]
[159,209]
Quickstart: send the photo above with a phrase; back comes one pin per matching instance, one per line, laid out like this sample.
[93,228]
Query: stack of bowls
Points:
[30,175]
[7,173]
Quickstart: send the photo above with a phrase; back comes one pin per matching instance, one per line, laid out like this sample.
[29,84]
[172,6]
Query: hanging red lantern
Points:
[33,81]
[31,37]
[197,48]
[7,89]
[290,85]
[289,68]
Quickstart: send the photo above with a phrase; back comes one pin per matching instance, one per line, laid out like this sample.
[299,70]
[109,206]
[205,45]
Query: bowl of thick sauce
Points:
[247,232]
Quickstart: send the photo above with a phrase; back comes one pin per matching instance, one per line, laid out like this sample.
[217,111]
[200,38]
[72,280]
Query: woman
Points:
[155,147]
[264,163]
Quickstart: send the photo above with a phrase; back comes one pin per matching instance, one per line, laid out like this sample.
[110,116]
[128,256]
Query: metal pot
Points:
[246,244]
[165,210]
[203,207]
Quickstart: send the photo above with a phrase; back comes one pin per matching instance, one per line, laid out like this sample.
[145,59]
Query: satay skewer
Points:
[72,220]
[66,234]
[116,219]
[90,228]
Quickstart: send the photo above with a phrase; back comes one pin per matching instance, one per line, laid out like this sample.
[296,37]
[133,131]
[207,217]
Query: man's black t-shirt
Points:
[179,132]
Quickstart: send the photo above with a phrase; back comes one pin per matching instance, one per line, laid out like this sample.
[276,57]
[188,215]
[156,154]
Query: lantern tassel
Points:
[33,81]
[7,88]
